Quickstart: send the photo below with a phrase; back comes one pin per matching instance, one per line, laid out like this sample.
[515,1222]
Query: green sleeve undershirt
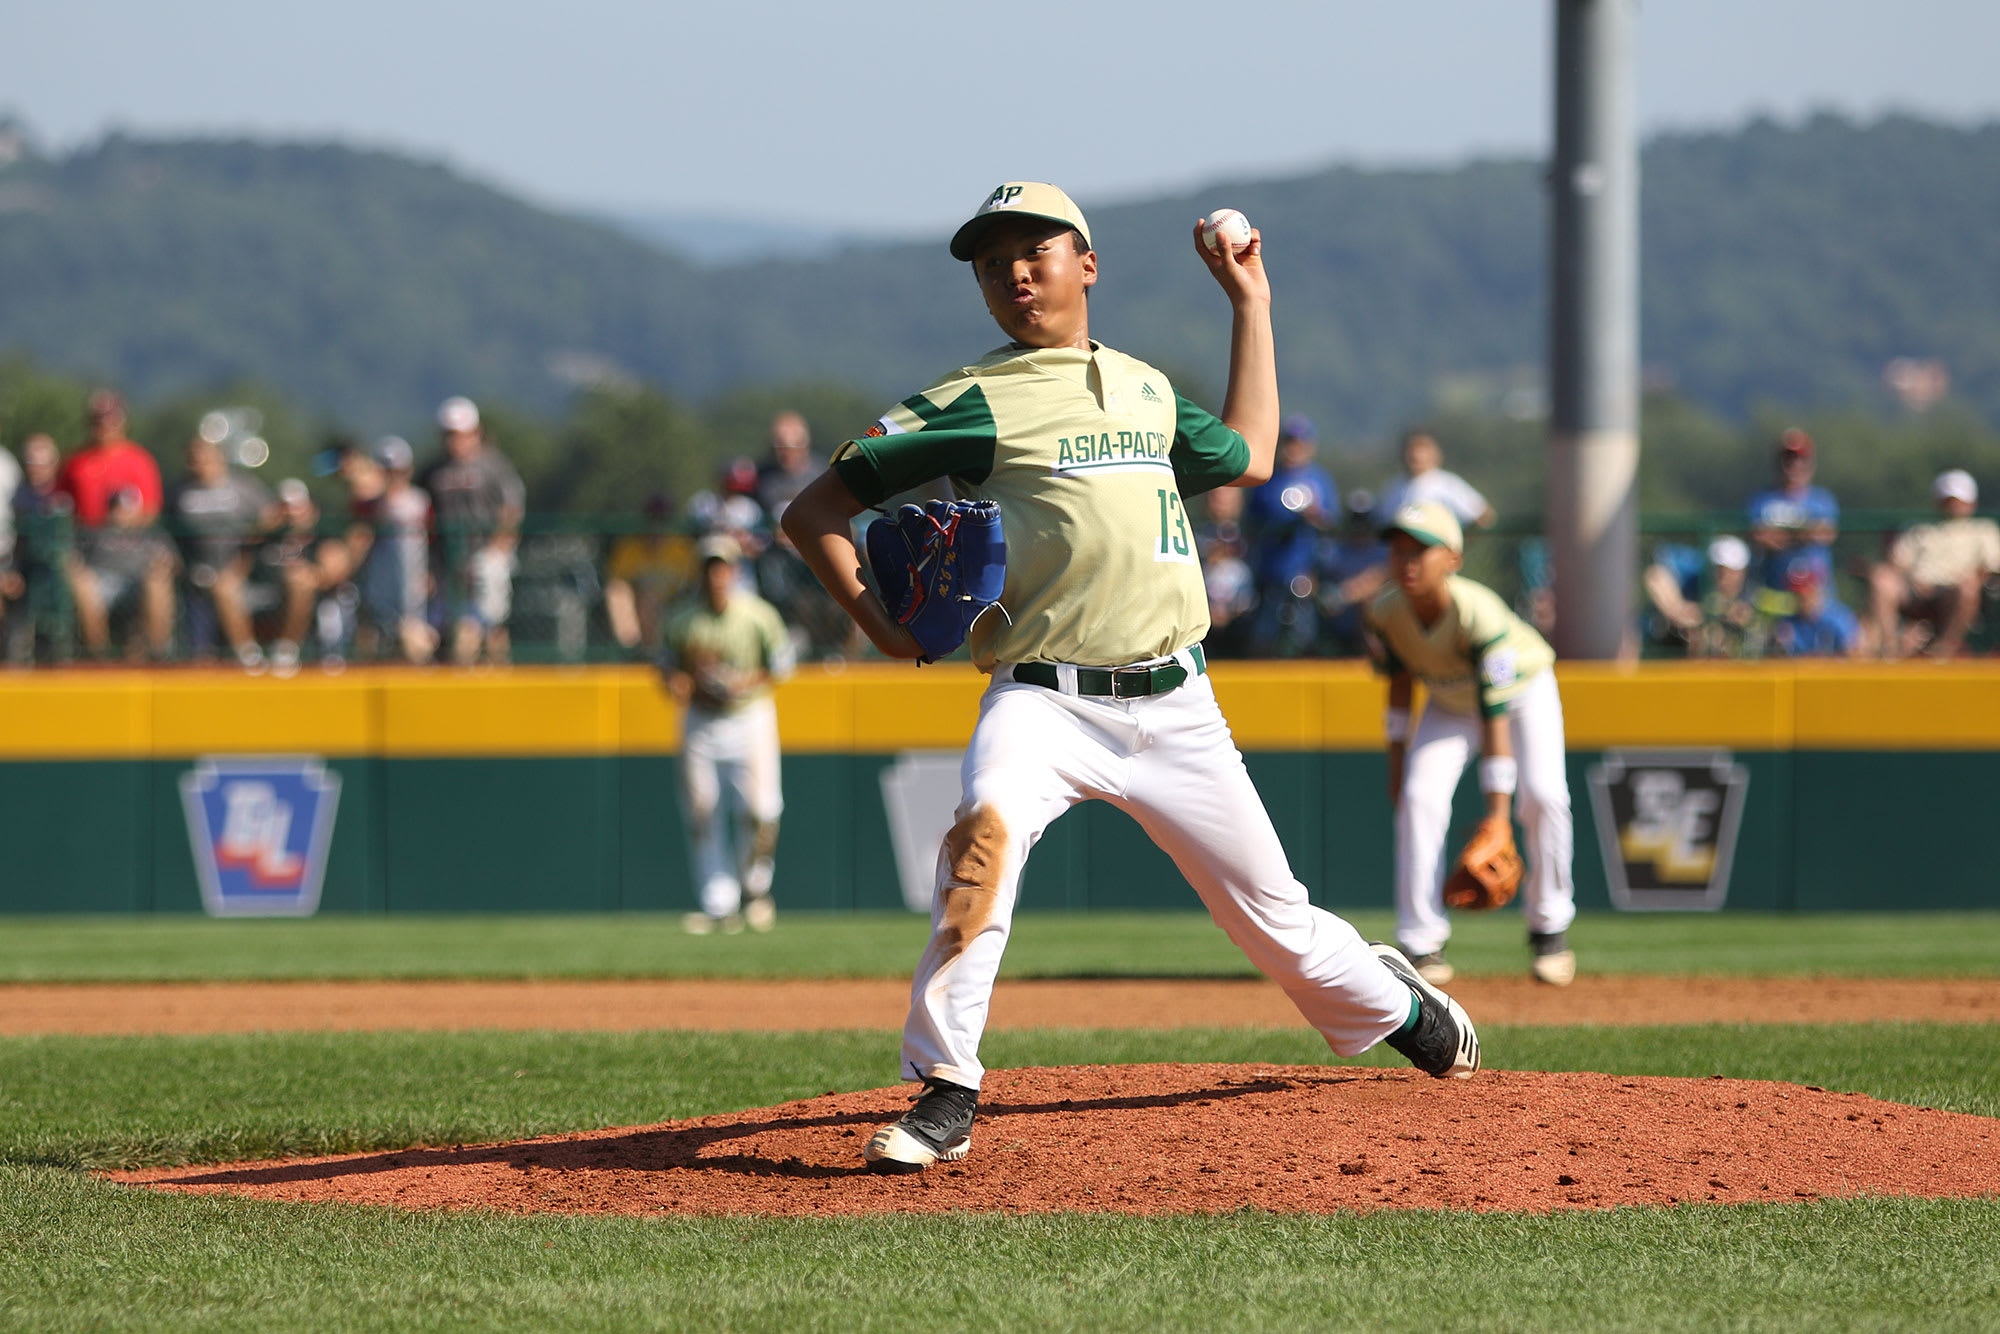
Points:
[1488,706]
[957,441]
[1206,453]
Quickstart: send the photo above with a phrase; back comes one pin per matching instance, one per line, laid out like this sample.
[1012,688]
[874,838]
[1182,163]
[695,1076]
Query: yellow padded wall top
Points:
[879,708]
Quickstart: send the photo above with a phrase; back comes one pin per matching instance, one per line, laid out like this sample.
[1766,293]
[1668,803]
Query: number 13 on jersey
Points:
[1175,544]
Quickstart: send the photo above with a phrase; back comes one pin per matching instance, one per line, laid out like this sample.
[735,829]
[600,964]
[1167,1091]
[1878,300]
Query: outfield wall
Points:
[553,789]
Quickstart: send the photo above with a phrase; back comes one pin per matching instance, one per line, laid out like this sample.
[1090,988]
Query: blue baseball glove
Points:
[937,567]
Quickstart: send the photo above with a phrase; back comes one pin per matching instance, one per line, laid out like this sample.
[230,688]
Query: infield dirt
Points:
[791,1005]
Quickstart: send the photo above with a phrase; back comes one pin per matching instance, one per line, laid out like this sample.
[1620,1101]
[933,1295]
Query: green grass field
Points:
[85,1254]
[129,949]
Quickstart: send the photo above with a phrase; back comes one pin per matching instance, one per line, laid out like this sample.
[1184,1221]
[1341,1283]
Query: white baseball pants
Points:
[1169,762]
[1441,747]
[738,752]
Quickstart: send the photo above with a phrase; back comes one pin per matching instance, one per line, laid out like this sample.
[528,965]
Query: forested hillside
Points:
[1782,264]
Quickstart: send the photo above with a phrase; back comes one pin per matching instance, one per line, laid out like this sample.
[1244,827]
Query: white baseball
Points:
[1229,225]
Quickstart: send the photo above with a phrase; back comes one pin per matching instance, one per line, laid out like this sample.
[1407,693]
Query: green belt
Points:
[1117,682]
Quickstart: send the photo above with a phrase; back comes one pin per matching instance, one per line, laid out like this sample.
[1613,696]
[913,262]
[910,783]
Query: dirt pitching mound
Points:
[1170,1139]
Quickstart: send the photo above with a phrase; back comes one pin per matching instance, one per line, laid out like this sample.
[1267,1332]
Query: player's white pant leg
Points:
[1440,748]
[1548,896]
[1189,790]
[753,770]
[753,743]
[1032,756]
[705,747]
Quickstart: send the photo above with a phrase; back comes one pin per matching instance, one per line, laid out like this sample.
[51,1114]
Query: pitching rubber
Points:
[894,1149]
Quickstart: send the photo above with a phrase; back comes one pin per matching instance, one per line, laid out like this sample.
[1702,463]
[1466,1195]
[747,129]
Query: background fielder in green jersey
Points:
[725,647]
[1492,693]
[1089,453]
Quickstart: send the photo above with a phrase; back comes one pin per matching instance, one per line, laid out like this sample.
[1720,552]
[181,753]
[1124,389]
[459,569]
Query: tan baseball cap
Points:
[722,547]
[1430,523]
[1027,199]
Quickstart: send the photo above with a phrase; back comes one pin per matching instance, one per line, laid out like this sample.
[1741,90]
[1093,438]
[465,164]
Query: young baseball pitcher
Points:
[1099,687]
[1492,693]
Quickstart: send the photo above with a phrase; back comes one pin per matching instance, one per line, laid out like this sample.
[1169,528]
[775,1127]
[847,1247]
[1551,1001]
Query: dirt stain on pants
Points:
[975,854]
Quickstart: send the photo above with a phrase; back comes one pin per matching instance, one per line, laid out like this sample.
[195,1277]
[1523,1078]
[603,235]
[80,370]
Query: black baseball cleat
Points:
[1442,1043]
[937,1130]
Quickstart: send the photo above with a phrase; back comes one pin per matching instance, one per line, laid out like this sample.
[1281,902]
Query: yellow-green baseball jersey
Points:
[1089,455]
[1476,659]
[748,635]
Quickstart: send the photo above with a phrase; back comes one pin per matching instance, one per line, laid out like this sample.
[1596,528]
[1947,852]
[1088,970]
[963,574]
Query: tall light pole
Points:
[1593,506]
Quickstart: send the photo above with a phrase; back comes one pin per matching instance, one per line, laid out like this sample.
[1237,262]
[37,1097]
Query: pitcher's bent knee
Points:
[974,867]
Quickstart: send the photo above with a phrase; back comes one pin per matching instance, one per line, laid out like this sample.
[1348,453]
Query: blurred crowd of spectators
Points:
[1288,566]
[644,573]
[1775,591]
[100,559]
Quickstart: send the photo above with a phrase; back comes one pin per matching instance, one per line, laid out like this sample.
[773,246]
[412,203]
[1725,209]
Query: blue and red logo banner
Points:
[260,827]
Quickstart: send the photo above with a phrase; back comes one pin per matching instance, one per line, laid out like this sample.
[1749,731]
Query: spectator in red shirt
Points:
[106,463]
[120,564]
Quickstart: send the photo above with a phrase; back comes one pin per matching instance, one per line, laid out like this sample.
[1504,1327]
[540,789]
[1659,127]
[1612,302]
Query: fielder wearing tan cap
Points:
[1431,524]
[1019,199]
[722,547]
[725,648]
[1491,697]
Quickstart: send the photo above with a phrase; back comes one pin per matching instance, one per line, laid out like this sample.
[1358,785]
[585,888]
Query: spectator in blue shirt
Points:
[1820,626]
[1673,584]
[1793,525]
[1283,520]
[1352,569]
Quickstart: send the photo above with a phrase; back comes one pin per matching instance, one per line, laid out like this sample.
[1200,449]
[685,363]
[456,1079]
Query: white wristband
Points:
[1396,724]
[1497,773]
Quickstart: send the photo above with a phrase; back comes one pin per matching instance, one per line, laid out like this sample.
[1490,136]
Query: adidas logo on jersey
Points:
[1149,394]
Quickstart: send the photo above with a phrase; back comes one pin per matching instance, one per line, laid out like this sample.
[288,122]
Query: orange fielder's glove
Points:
[1488,871]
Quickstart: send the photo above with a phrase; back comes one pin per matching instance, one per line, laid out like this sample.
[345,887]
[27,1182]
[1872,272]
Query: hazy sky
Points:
[899,116]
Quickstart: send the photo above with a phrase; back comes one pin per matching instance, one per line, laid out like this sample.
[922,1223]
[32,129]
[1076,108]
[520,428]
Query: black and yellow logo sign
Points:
[1667,822]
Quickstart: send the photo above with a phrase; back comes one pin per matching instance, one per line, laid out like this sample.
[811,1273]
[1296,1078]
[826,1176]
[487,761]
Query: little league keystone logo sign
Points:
[260,827]
[1667,822]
